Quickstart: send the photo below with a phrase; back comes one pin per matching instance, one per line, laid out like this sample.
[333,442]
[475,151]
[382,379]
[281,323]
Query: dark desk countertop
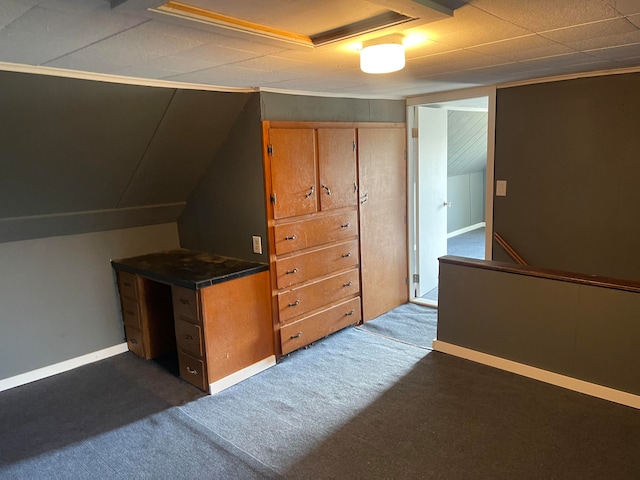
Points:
[188,268]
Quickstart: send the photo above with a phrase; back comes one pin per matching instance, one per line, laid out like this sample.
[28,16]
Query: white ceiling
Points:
[483,42]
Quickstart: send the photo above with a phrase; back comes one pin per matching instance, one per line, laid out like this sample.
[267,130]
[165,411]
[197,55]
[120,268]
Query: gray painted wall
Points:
[276,106]
[582,331]
[80,155]
[569,152]
[58,298]
[228,206]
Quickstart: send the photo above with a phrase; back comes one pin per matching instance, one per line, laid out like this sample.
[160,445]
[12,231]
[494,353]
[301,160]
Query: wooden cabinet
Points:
[337,211]
[311,177]
[219,325]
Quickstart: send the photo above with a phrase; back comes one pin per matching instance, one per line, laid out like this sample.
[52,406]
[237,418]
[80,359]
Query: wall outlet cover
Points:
[257,244]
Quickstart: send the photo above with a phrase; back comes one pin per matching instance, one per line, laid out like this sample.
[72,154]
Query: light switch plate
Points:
[501,188]
[257,244]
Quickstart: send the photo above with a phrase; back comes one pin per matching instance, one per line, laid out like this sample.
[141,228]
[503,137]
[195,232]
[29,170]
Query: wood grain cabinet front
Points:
[311,180]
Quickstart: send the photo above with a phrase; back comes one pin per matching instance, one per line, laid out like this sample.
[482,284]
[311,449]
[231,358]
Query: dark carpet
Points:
[354,405]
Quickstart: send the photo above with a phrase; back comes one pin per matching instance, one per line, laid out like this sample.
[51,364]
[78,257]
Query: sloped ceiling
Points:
[83,155]
[466,142]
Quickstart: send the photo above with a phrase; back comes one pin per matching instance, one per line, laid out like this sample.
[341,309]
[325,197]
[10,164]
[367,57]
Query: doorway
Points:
[451,172]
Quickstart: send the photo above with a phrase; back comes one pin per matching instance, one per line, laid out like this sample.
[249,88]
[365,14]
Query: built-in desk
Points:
[214,311]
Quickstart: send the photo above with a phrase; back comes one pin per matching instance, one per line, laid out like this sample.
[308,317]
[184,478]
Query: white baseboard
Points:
[556,379]
[56,368]
[475,226]
[241,375]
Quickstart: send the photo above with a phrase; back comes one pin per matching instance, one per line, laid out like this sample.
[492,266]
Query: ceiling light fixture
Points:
[382,55]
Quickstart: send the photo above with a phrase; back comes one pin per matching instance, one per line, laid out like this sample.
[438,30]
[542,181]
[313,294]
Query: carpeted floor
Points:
[355,405]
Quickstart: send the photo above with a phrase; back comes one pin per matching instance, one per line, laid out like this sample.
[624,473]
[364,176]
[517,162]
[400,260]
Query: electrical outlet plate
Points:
[257,244]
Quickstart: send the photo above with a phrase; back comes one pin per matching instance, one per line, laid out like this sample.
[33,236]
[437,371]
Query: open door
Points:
[438,124]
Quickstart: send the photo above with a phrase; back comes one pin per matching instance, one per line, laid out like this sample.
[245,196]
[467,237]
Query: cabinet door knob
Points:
[348,284]
[292,237]
[345,225]
[348,314]
[291,272]
[133,341]
[184,302]
[327,189]
[345,255]
[294,304]
[192,371]
[364,198]
[297,335]
[188,337]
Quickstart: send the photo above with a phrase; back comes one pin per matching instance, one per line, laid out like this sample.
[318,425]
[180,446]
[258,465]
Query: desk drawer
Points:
[134,340]
[189,338]
[309,297]
[127,285]
[130,312]
[316,231]
[185,304]
[319,325]
[192,370]
[306,266]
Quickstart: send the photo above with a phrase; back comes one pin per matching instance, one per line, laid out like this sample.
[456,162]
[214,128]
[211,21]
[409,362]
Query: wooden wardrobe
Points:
[336,209]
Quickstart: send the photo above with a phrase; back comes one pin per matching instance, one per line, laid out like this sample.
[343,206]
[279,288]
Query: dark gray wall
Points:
[587,332]
[81,156]
[276,106]
[228,206]
[569,152]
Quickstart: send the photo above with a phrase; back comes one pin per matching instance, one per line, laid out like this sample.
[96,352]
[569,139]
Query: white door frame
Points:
[412,104]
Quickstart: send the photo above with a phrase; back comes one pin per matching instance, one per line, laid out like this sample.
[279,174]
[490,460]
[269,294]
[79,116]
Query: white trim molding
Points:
[240,375]
[56,368]
[570,383]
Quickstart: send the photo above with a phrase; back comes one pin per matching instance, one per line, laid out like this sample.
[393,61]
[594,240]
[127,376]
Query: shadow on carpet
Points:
[408,323]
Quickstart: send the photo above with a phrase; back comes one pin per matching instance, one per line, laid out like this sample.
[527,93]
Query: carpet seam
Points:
[393,339]
[230,442]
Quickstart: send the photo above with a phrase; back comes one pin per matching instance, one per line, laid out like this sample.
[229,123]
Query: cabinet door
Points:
[383,229]
[293,171]
[337,166]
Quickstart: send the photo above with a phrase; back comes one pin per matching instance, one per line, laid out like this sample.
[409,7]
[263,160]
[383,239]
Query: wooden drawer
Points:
[134,341]
[311,296]
[319,325]
[189,338]
[185,304]
[306,266]
[130,312]
[316,231]
[127,285]
[193,371]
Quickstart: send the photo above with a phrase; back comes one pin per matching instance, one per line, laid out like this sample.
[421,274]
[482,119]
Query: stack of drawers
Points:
[131,314]
[317,277]
[146,312]
[190,336]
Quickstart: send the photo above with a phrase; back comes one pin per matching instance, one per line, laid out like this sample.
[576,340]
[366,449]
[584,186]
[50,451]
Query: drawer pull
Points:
[129,312]
[291,272]
[346,255]
[327,189]
[292,237]
[348,284]
[310,192]
[185,302]
[345,225]
[192,371]
[297,335]
[133,341]
[188,337]
[127,284]
[295,304]
[348,314]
